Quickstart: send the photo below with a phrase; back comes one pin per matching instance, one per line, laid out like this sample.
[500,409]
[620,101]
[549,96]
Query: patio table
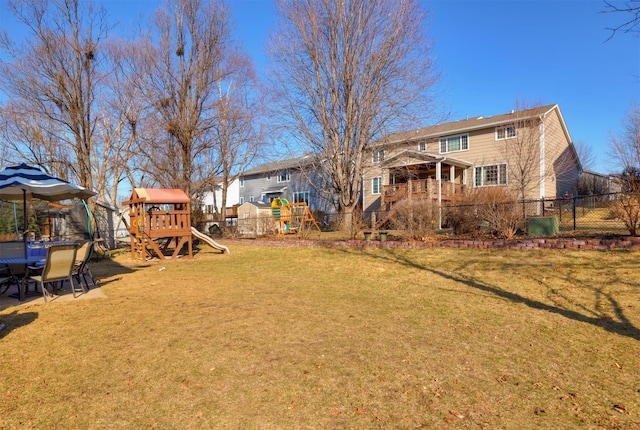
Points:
[28,261]
[39,248]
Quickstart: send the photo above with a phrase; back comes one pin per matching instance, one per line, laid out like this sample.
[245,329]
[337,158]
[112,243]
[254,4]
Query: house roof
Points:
[280,165]
[602,175]
[274,190]
[468,125]
[258,204]
[410,156]
[160,195]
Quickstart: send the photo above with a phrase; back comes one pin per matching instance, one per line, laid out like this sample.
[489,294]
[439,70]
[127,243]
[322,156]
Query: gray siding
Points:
[265,186]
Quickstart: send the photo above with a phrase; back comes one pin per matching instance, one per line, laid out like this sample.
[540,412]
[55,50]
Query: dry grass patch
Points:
[326,338]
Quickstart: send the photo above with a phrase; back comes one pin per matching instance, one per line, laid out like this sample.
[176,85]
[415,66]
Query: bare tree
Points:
[585,154]
[628,8]
[120,110]
[625,146]
[237,133]
[180,78]
[54,77]
[590,183]
[32,138]
[625,150]
[345,73]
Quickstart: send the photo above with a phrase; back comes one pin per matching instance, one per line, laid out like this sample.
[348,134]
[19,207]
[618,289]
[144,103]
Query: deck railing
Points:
[157,224]
[419,189]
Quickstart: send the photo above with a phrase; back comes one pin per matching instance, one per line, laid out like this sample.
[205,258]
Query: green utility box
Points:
[542,226]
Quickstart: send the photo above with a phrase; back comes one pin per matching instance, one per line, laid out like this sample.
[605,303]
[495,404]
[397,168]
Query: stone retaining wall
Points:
[542,243]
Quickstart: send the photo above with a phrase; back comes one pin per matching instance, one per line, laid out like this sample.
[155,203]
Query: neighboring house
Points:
[213,200]
[441,161]
[255,218]
[291,179]
[593,183]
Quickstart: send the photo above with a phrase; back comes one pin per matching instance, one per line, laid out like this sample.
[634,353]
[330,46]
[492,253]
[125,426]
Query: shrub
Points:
[418,219]
[494,207]
[461,214]
[627,209]
[498,207]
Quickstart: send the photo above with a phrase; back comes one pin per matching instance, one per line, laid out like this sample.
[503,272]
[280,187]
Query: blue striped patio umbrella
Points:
[23,182]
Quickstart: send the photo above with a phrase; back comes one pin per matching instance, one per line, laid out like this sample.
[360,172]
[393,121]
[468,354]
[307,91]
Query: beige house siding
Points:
[555,170]
[563,163]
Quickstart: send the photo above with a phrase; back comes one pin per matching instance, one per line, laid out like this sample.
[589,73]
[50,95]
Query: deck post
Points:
[439,179]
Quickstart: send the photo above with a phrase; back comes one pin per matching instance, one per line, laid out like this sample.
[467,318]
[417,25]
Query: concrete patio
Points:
[35,297]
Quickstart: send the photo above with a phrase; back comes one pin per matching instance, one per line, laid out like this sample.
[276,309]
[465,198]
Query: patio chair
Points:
[14,248]
[11,273]
[80,267]
[58,267]
[6,279]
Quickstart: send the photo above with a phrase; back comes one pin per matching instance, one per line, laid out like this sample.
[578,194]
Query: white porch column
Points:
[439,179]
[439,182]
[452,179]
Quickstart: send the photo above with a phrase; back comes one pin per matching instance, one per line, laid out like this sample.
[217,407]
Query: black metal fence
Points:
[604,214]
[593,215]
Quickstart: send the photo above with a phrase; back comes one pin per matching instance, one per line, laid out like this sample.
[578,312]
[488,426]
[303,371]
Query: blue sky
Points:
[494,53]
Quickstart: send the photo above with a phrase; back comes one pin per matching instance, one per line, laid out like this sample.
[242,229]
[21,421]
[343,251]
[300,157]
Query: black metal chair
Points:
[80,267]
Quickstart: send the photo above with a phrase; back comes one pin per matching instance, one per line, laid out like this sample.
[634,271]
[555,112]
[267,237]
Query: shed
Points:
[255,218]
[158,217]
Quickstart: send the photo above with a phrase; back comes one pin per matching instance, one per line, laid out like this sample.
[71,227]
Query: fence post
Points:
[574,213]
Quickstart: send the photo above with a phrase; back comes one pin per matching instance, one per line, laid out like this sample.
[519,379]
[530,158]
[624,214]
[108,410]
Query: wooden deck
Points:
[419,189]
[423,189]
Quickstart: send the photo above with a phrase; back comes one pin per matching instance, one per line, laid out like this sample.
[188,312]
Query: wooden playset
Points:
[159,217]
[292,218]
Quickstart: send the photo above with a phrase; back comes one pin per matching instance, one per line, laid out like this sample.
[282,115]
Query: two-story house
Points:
[293,179]
[529,151]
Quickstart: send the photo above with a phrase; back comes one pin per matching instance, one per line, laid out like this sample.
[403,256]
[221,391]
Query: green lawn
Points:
[303,337]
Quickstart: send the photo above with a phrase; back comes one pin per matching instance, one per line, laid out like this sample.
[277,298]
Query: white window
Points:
[283,176]
[422,146]
[251,199]
[378,156]
[454,143]
[268,176]
[485,176]
[301,197]
[506,132]
[242,181]
[376,185]
[241,200]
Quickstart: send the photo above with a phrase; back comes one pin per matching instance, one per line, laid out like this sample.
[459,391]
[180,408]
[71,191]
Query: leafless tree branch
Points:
[631,10]
[345,73]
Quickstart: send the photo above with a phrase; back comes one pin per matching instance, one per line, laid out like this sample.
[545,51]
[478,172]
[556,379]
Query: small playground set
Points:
[292,218]
[160,217]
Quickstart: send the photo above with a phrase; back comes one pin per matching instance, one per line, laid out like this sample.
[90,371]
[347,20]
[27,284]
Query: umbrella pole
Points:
[25,232]
[15,220]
